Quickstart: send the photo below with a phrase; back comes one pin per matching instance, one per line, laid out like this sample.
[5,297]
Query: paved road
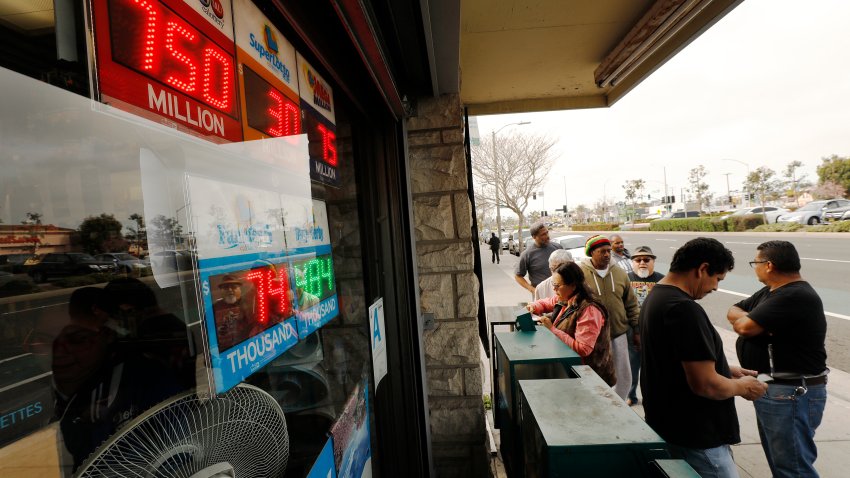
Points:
[826,265]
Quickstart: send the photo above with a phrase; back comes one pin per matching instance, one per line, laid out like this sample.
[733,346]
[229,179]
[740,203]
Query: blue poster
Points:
[352,445]
[324,465]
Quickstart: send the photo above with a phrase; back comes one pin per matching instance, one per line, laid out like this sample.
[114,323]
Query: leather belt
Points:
[820,379]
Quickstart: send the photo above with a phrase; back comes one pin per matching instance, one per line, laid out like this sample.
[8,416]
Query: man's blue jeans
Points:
[787,422]
[710,462]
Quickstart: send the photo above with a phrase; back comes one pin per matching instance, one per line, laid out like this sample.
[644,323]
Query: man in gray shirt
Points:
[534,261]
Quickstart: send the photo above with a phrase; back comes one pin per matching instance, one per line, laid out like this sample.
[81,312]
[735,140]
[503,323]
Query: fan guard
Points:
[241,433]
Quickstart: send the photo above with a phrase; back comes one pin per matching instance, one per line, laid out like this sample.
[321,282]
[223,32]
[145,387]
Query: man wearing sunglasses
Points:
[643,278]
[782,330]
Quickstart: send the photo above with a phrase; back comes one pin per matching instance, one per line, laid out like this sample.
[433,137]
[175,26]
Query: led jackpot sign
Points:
[268,109]
[323,150]
[160,58]
[314,278]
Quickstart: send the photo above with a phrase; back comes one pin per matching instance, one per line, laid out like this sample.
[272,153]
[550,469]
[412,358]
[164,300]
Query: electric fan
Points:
[240,434]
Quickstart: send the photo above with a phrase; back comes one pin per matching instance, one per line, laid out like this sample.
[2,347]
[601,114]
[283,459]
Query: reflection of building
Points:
[26,238]
[383,110]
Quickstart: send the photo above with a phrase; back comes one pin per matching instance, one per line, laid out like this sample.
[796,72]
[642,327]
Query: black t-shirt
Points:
[675,329]
[793,321]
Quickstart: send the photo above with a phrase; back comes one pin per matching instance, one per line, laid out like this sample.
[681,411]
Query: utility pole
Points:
[566,213]
[728,192]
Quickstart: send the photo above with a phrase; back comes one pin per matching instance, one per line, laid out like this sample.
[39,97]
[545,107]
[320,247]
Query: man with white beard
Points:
[643,280]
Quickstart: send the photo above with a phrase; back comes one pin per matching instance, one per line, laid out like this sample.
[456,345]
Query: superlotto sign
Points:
[171,61]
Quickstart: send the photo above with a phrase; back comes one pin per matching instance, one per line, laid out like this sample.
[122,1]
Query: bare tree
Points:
[520,168]
[634,188]
[699,187]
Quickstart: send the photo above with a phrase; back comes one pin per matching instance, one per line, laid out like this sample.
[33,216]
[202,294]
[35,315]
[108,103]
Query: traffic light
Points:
[533,195]
[565,208]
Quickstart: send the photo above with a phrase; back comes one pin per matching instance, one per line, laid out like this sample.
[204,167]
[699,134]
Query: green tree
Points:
[835,169]
[165,231]
[761,182]
[794,179]
[699,187]
[633,188]
[102,234]
[137,234]
[36,233]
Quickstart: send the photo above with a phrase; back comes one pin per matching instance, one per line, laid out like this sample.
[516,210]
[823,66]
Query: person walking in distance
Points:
[643,279]
[534,261]
[782,331]
[610,286]
[495,247]
[687,385]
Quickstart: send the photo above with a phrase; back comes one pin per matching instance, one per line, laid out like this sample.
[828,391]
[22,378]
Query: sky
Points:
[766,85]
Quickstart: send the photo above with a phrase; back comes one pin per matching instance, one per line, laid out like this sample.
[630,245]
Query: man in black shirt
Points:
[782,331]
[687,385]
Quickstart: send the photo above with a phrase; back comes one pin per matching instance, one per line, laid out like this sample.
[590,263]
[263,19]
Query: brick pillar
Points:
[442,214]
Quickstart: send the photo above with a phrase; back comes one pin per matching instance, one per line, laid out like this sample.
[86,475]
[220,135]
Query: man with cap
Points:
[556,259]
[232,319]
[643,278]
[534,261]
[612,288]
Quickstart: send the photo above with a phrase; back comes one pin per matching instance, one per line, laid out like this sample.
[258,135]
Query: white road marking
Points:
[831,314]
[747,243]
[824,260]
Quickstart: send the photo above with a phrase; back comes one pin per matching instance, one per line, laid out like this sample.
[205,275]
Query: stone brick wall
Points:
[448,287]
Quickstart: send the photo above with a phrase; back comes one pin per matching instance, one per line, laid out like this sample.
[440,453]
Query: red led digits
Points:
[285,114]
[149,37]
[189,85]
[268,285]
[150,33]
[226,68]
[328,145]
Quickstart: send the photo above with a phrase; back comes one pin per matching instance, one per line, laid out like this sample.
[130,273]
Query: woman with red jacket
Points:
[578,320]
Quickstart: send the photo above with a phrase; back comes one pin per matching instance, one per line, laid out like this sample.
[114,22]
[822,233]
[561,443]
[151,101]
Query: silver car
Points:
[812,213]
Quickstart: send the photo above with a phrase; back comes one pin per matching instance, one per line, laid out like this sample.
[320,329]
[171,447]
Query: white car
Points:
[574,243]
[771,212]
[811,213]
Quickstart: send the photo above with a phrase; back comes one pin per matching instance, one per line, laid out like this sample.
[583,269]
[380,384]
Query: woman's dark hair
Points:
[572,274]
[782,254]
[701,250]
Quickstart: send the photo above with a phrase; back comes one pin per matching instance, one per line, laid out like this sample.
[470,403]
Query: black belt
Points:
[821,379]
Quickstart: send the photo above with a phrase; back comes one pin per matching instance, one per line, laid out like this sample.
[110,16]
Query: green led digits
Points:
[316,276]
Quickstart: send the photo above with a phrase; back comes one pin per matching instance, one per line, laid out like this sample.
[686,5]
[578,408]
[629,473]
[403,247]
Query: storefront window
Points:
[140,261]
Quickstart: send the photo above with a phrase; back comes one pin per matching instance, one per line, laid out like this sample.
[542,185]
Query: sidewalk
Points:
[833,436]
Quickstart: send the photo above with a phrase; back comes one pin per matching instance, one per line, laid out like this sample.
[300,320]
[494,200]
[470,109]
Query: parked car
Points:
[840,213]
[680,214]
[67,264]
[771,212]
[15,263]
[573,243]
[525,236]
[125,261]
[812,213]
[507,239]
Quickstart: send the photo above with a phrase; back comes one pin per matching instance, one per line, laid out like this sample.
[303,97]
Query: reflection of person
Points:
[688,387]
[782,331]
[610,285]
[578,320]
[643,279]
[101,382]
[305,299]
[534,261]
[495,247]
[232,319]
[556,260]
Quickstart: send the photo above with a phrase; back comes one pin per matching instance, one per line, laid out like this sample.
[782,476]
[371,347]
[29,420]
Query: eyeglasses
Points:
[753,263]
[642,259]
